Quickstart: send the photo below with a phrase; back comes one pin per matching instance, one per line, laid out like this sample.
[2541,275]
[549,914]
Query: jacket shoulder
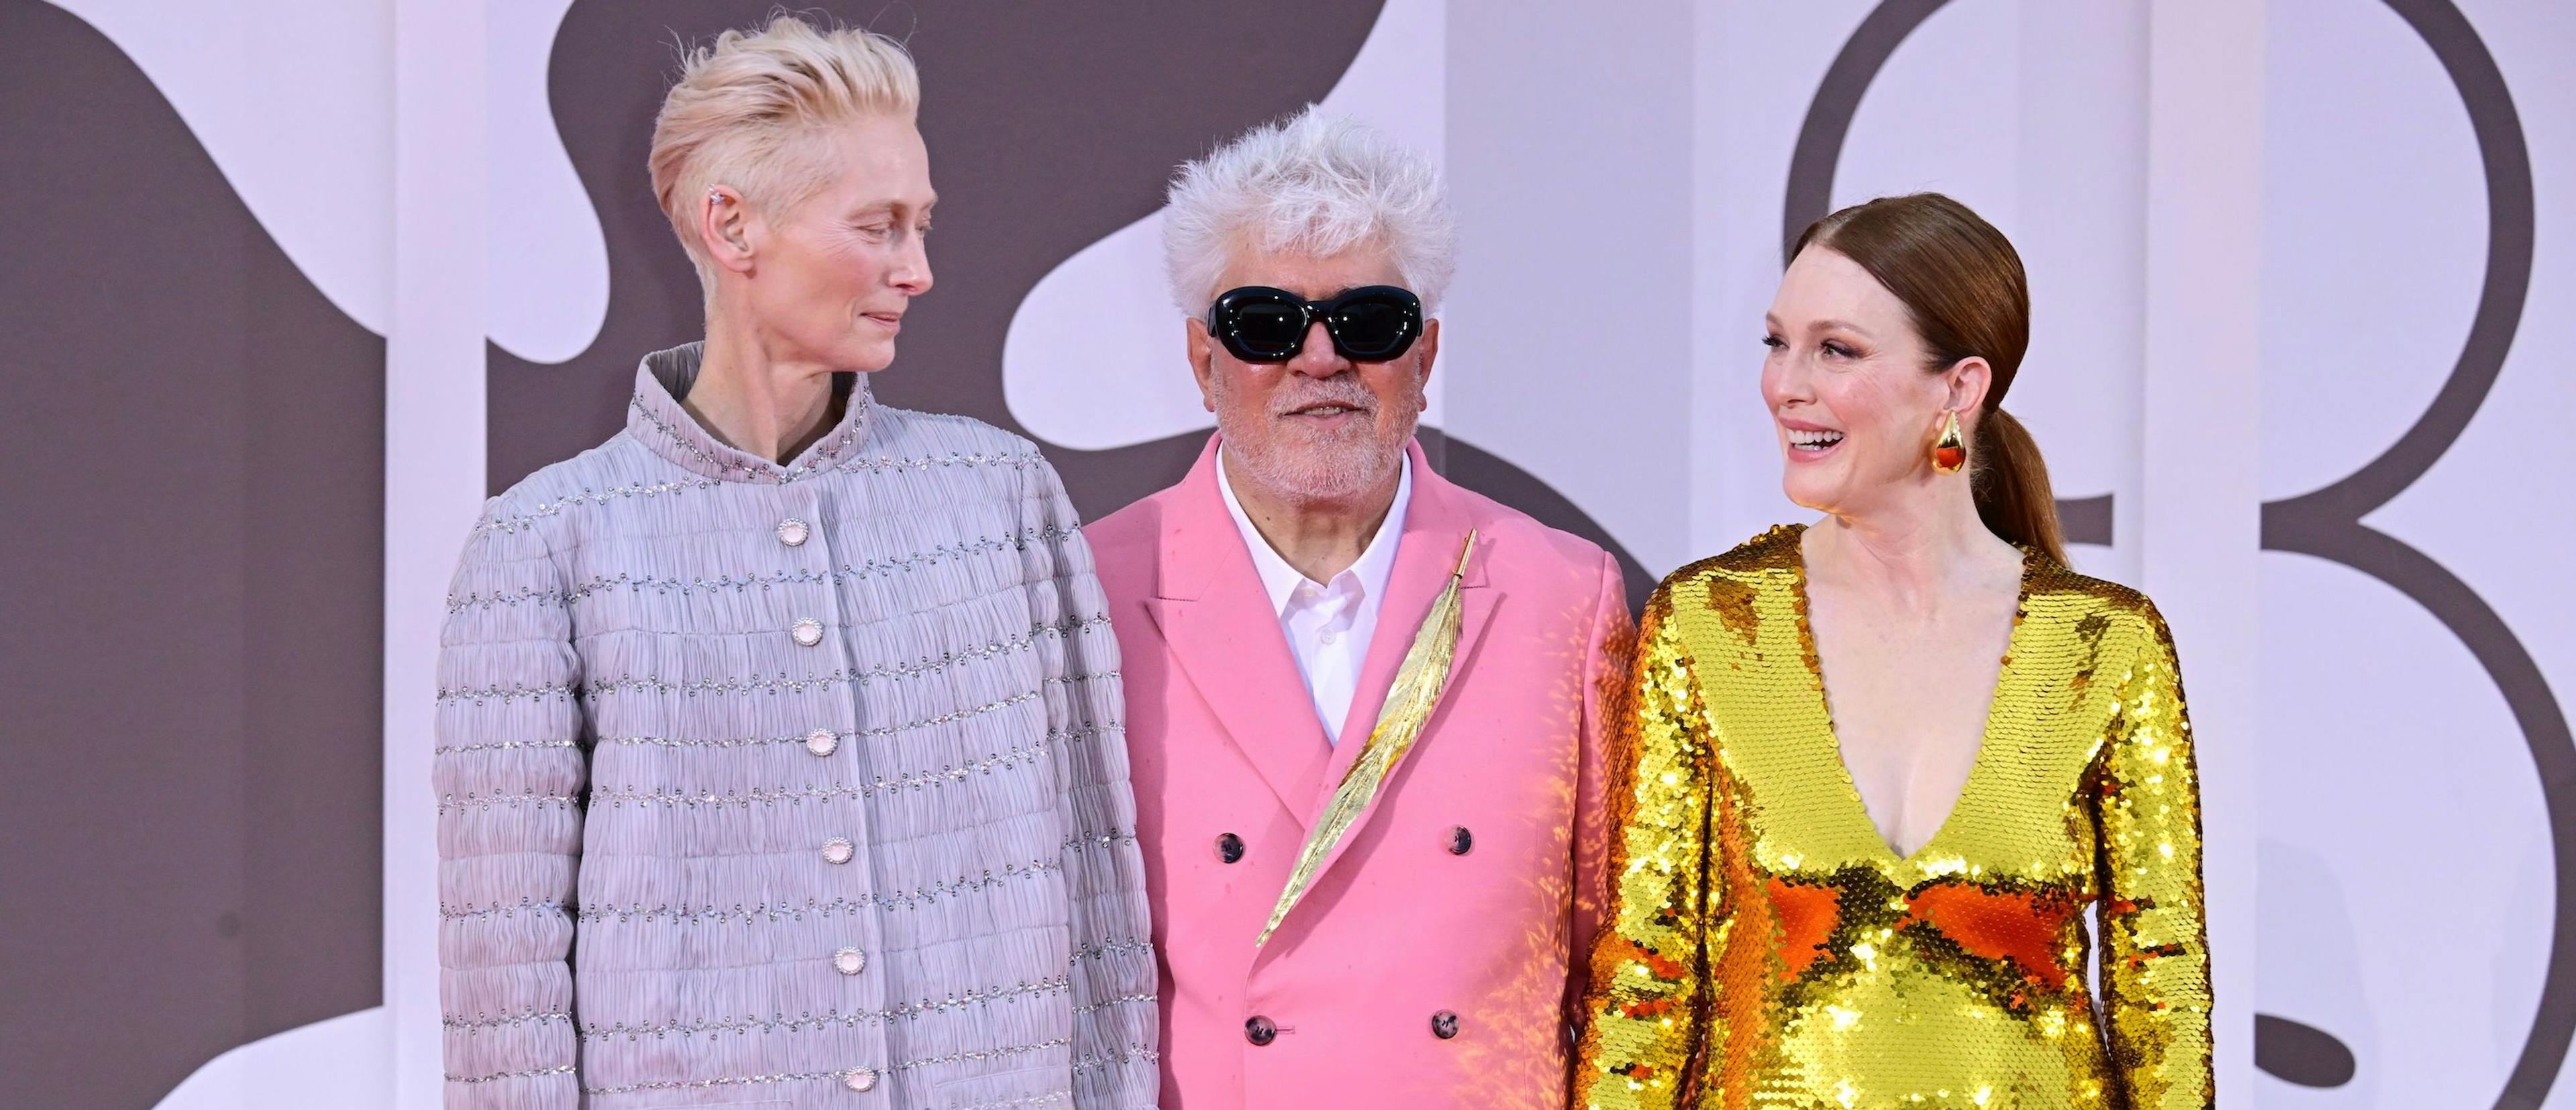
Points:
[1521,542]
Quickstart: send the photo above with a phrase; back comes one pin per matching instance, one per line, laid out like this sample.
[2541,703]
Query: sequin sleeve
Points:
[2155,949]
[510,774]
[1646,1005]
[1115,1021]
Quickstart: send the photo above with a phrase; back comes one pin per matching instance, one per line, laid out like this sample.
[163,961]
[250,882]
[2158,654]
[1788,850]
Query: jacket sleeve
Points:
[510,773]
[1647,1002]
[1609,651]
[1115,1022]
[2155,943]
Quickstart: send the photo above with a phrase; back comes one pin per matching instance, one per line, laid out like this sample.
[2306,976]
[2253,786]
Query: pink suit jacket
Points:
[1402,938]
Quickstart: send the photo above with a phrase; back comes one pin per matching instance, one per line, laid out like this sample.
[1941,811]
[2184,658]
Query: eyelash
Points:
[1834,347]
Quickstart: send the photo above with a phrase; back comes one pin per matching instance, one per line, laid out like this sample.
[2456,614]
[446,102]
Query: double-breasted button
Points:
[861,1080]
[793,532]
[849,961]
[807,631]
[1460,840]
[1260,1031]
[1444,1025]
[822,741]
[1229,848]
[839,850]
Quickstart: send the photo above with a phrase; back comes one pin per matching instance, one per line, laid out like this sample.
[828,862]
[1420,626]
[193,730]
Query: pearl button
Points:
[849,961]
[838,850]
[860,1079]
[807,632]
[792,532]
[822,741]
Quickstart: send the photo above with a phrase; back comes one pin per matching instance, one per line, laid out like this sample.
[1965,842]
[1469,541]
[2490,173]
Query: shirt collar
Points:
[656,419]
[1372,569]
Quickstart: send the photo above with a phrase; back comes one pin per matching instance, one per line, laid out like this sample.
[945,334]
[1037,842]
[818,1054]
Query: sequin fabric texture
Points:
[787,786]
[1767,947]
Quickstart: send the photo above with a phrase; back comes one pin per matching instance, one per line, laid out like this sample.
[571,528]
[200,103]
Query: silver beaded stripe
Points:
[478,913]
[503,746]
[853,572]
[523,521]
[843,906]
[480,1022]
[667,798]
[798,1077]
[513,801]
[1049,1099]
[781,1023]
[1121,1000]
[559,1069]
[1106,949]
[758,684]
[879,733]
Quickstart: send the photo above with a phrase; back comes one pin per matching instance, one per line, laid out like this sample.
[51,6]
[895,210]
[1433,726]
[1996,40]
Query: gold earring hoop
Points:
[1950,453]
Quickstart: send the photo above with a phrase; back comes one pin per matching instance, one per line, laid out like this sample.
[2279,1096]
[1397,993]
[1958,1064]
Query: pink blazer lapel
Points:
[1435,525]
[1210,607]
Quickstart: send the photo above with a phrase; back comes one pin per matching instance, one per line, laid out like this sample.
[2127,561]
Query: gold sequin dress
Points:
[1767,948]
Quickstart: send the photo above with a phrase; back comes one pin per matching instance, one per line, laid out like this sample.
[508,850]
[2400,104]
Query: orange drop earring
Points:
[1949,453]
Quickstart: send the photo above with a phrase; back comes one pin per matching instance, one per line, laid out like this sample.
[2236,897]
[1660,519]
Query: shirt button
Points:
[822,741]
[1460,840]
[838,850]
[1329,637]
[1260,1031]
[1444,1025]
[793,532]
[807,632]
[849,961]
[860,1079]
[1229,848]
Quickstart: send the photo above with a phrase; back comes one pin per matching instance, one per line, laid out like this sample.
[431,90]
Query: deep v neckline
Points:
[1977,770]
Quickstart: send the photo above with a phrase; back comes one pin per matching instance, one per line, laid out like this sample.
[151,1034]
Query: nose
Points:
[1318,359]
[911,272]
[1785,381]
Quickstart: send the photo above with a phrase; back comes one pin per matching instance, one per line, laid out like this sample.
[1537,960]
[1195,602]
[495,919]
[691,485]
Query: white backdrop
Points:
[2259,234]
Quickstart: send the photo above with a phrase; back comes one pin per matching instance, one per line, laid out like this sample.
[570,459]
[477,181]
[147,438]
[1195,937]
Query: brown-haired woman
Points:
[1880,766]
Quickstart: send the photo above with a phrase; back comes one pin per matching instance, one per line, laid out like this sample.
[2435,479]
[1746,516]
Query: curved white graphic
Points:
[293,100]
[546,286]
[1094,359]
[339,1064]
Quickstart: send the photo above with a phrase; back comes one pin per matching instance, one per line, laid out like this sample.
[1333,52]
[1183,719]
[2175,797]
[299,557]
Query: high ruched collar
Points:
[656,419]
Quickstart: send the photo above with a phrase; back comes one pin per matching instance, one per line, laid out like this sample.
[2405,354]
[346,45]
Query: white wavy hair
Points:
[1316,184]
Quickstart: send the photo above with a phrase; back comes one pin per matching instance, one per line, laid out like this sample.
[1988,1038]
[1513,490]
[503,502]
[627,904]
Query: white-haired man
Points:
[1364,705]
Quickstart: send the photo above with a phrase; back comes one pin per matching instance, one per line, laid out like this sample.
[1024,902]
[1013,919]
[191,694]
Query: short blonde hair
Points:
[745,110]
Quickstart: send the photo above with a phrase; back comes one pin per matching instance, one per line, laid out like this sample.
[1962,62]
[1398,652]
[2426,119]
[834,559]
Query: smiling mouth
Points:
[1814,443]
[1325,411]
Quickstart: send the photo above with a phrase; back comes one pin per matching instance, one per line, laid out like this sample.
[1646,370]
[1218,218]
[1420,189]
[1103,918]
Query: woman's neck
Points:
[1915,552]
[754,402]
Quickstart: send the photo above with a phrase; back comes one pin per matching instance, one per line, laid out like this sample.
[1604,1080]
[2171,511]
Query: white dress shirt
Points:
[1328,624]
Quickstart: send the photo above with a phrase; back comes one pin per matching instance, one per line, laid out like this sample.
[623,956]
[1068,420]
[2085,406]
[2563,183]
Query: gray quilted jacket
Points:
[787,786]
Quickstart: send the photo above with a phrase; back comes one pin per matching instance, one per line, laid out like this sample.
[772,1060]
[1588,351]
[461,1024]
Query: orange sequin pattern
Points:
[1767,949]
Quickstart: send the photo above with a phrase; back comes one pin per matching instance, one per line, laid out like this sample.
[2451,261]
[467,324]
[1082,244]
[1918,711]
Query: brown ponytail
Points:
[1964,285]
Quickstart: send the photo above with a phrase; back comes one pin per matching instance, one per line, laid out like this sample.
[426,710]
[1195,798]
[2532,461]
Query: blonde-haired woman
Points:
[779,759]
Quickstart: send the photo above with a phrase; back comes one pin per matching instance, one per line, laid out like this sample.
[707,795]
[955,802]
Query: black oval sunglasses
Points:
[1373,323]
